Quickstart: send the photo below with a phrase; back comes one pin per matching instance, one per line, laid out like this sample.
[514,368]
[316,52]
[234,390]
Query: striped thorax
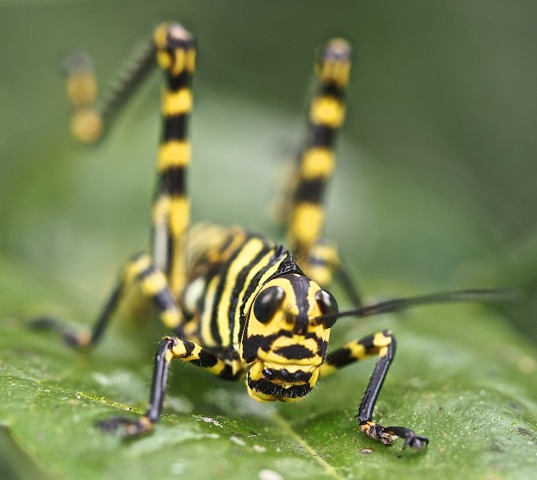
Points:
[246,293]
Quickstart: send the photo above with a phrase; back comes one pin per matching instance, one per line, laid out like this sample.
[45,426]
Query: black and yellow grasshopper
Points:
[238,304]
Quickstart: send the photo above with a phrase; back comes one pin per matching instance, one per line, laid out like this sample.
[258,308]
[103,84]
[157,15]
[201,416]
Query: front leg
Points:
[383,345]
[168,349]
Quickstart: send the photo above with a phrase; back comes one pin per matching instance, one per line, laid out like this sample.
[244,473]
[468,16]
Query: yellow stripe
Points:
[179,63]
[219,255]
[184,60]
[171,318]
[175,211]
[205,320]
[176,103]
[327,369]
[82,88]
[336,72]
[262,280]
[181,58]
[169,355]
[160,37]
[177,273]
[87,125]
[175,64]
[323,259]
[321,274]
[154,283]
[306,224]
[179,216]
[381,341]
[164,59]
[178,350]
[247,253]
[174,154]
[358,351]
[327,111]
[327,253]
[317,162]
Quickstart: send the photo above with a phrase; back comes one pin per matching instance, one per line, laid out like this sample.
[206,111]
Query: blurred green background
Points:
[436,183]
[435,189]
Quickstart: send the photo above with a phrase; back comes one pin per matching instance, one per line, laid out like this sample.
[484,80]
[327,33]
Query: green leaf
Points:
[461,377]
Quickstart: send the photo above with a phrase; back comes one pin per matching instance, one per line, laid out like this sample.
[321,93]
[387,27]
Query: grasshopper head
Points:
[284,342]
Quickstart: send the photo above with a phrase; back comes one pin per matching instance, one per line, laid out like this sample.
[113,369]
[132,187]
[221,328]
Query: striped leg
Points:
[153,284]
[317,160]
[383,345]
[318,258]
[171,210]
[168,349]
[174,48]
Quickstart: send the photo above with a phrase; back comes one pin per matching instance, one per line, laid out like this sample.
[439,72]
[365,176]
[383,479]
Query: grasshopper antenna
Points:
[398,304]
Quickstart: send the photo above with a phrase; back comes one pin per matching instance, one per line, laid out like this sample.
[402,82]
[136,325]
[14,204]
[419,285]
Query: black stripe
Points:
[175,127]
[340,357]
[200,305]
[170,248]
[215,332]
[227,373]
[294,352]
[189,347]
[331,89]
[310,191]
[281,254]
[301,286]
[207,359]
[229,240]
[215,270]
[172,181]
[253,343]
[322,345]
[268,388]
[239,286]
[175,83]
[322,136]
[164,299]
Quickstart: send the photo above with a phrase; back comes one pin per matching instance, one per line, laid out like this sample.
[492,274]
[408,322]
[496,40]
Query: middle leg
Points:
[153,285]
[305,218]
[318,258]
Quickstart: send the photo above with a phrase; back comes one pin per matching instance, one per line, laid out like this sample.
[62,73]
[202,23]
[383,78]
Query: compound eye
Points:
[328,306]
[267,302]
